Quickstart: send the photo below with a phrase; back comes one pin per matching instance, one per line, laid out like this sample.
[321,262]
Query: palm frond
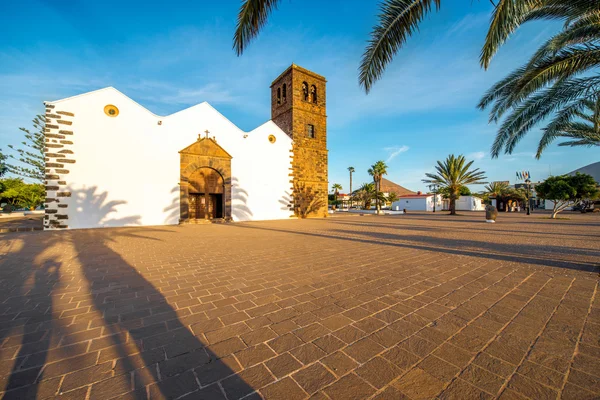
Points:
[506,18]
[573,35]
[538,107]
[398,20]
[563,118]
[252,18]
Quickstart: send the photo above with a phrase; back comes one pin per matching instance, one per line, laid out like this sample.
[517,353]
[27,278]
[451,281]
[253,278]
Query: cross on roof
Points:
[200,135]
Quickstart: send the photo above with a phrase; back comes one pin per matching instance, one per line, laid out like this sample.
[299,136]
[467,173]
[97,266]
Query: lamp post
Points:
[434,187]
[528,183]
[524,175]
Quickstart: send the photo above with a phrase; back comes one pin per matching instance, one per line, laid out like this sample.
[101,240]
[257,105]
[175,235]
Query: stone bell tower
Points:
[298,108]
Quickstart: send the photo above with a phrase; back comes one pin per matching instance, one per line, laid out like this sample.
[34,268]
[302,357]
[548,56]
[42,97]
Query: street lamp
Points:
[528,183]
[435,188]
[524,175]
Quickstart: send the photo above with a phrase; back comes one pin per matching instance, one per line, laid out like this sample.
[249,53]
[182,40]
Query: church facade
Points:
[111,162]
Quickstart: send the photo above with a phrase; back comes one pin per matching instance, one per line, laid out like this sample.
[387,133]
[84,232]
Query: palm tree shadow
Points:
[287,202]
[33,325]
[149,341]
[173,209]
[149,350]
[239,202]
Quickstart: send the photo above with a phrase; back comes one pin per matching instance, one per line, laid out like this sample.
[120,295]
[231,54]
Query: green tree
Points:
[32,195]
[336,191]
[445,192]
[392,197]
[11,194]
[30,157]
[377,171]
[3,166]
[559,79]
[365,195]
[453,174]
[496,189]
[567,190]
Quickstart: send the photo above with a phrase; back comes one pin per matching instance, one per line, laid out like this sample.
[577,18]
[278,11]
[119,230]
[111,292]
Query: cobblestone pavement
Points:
[400,307]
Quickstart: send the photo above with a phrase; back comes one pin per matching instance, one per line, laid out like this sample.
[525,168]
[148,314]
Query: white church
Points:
[111,162]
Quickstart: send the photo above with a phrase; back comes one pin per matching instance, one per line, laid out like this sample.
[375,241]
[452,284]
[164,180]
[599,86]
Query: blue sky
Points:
[171,55]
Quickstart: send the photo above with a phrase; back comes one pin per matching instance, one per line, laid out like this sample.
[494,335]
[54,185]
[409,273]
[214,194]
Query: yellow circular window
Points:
[272,139]
[111,110]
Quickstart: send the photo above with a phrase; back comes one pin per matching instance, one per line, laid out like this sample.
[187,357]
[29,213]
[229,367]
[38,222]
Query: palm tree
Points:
[351,170]
[377,171]
[496,189]
[366,194]
[454,173]
[559,78]
[581,127]
[336,191]
[392,197]
[397,21]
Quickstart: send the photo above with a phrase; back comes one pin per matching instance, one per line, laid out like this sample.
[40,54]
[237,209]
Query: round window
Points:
[111,110]
[272,139]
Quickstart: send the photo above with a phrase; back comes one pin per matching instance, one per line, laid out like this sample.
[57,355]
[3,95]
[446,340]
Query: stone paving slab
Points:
[401,307]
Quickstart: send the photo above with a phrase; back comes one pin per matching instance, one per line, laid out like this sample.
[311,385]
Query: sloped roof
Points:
[591,169]
[388,186]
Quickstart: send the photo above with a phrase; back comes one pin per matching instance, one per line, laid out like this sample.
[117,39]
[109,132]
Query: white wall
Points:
[127,167]
[469,203]
[419,204]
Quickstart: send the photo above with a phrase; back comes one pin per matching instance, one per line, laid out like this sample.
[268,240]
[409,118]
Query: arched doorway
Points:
[206,189]
[205,182]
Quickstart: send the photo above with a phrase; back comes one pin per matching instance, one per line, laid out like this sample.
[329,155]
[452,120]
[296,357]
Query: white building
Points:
[469,203]
[111,162]
[418,202]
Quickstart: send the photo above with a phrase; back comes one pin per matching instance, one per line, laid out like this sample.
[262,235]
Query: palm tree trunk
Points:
[452,204]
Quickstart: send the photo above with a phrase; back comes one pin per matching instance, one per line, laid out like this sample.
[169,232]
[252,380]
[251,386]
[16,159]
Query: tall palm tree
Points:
[561,77]
[397,21]
[351,170]
[377,171]
[581,126]
[454,173]
[336,191]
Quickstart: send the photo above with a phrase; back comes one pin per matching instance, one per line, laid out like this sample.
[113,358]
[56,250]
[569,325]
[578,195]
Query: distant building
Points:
[418,202]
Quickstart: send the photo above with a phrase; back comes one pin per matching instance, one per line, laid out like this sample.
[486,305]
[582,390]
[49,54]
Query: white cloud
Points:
[478,155]
[394,152]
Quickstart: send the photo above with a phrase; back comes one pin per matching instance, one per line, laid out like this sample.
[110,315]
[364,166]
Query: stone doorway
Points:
[205,206]
[205,182]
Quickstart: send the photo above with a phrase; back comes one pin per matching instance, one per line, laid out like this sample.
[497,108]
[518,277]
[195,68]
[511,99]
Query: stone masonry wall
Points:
[59,159]
[309,164]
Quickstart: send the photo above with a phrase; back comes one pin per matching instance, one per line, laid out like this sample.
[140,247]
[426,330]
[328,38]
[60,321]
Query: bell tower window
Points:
[313,94]
[310,131]
[278,95]
[284,90]
[305,91]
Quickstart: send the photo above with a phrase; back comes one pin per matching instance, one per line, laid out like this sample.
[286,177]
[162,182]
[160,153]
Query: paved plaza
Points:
[399,307]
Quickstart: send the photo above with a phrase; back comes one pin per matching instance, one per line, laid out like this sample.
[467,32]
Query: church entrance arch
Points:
[205,182]
[206,187]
